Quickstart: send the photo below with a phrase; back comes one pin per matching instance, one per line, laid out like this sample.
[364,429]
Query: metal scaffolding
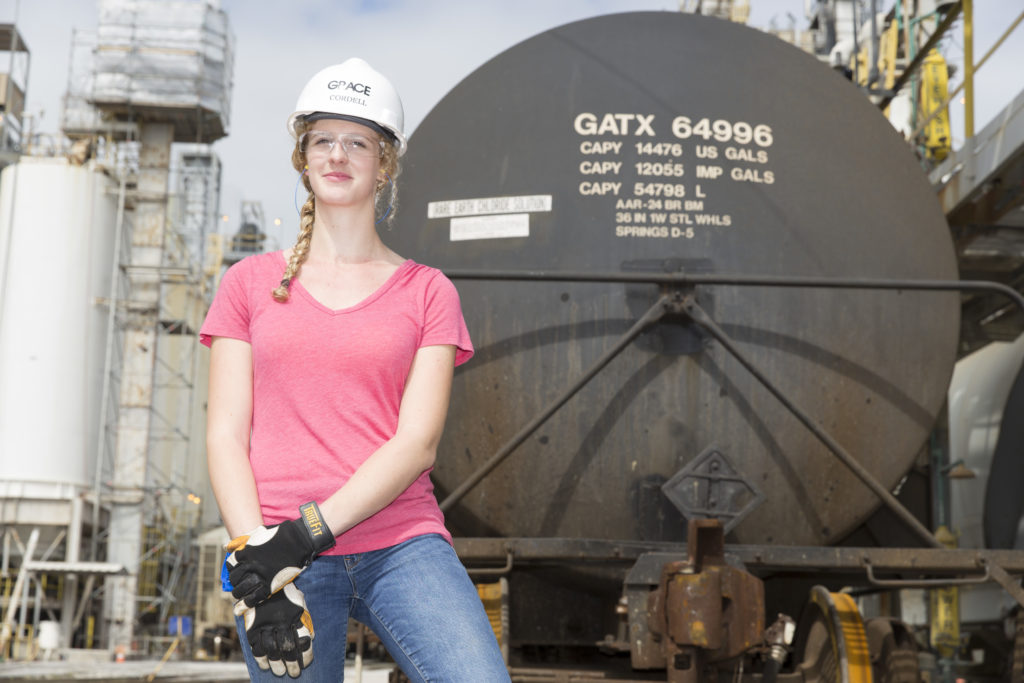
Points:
[13,86]
[148,93]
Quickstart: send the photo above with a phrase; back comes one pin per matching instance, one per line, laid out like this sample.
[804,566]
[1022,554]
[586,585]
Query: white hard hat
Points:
[355,91]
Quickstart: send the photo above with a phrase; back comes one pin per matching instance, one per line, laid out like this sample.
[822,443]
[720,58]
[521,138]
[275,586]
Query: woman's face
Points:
[343,159]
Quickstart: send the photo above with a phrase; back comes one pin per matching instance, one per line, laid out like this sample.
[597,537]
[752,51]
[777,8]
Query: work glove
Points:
[280,632]
[268,558]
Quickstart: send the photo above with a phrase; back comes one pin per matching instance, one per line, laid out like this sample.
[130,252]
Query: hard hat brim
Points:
[372,125]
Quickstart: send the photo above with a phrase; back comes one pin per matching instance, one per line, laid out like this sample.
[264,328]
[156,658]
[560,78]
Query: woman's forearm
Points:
[233,486]
[228,425]
[393,467]
[389,471]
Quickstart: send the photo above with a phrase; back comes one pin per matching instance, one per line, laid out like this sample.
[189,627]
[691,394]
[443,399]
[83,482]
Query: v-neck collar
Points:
[297,286]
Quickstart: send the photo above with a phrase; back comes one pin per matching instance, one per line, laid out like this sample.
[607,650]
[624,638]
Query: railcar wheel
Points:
[893,651]
[831,644]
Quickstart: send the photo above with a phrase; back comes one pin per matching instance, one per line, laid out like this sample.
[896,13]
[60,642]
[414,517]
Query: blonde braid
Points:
[385,198]
[300,252]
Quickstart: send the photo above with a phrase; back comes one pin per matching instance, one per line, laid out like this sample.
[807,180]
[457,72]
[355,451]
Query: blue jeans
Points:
[417,598]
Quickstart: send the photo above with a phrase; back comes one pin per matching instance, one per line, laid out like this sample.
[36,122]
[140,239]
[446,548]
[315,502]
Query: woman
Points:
[330,370]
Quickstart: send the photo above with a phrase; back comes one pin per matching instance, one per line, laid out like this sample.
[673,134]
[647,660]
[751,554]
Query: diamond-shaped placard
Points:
[711,487]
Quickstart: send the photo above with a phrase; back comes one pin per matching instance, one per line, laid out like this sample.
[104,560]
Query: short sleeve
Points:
[229,313]
[443,322]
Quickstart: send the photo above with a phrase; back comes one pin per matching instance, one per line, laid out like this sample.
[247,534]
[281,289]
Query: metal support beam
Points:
[19,585]
[743,280]
[73,554]
[919,58]
[653,314]
[845,562]
[1009,584]
[704,320]
[956,91]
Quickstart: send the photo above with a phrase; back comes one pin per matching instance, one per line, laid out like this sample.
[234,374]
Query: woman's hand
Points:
[266,559]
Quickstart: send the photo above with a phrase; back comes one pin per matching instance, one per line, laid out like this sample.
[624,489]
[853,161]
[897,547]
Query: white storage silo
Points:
[57,223]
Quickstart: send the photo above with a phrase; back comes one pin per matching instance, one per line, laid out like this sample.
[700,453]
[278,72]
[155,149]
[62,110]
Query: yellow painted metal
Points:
[889,52]
[859,66]
[934,84]
[889,45]
[840,645]
[944,634]
[858,659]
[491,597]
[968,12]
[981,62]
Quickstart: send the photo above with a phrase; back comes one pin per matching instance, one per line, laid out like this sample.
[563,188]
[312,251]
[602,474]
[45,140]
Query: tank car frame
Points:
[698,614]
[753,158]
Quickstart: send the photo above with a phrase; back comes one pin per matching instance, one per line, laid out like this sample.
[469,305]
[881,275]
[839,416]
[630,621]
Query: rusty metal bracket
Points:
[703,610]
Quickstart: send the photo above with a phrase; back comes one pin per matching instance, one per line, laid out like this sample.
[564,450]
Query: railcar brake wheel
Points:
[832,646]
[893,651]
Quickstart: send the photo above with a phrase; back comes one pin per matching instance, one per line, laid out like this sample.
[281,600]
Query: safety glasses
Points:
[318,144]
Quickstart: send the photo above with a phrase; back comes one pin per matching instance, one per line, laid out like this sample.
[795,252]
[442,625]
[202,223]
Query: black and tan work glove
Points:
[280,632]
[268,558]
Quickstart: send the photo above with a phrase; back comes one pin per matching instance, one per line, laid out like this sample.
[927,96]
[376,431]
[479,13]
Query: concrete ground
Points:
[171,672]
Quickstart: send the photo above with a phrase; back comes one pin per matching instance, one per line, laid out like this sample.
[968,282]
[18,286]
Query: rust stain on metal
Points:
[704,603]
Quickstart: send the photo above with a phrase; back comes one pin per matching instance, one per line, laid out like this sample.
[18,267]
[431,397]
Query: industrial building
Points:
[102,400]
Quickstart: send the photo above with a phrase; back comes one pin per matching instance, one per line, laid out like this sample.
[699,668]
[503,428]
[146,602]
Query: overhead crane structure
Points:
[893,57]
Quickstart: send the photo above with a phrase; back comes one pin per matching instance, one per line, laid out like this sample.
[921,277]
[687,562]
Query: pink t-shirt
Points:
[327,385]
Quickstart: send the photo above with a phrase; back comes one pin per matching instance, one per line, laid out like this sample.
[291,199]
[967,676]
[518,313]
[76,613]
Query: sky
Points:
[425,47]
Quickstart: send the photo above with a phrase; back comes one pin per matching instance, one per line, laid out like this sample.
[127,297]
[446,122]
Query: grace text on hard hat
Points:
[360,88]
